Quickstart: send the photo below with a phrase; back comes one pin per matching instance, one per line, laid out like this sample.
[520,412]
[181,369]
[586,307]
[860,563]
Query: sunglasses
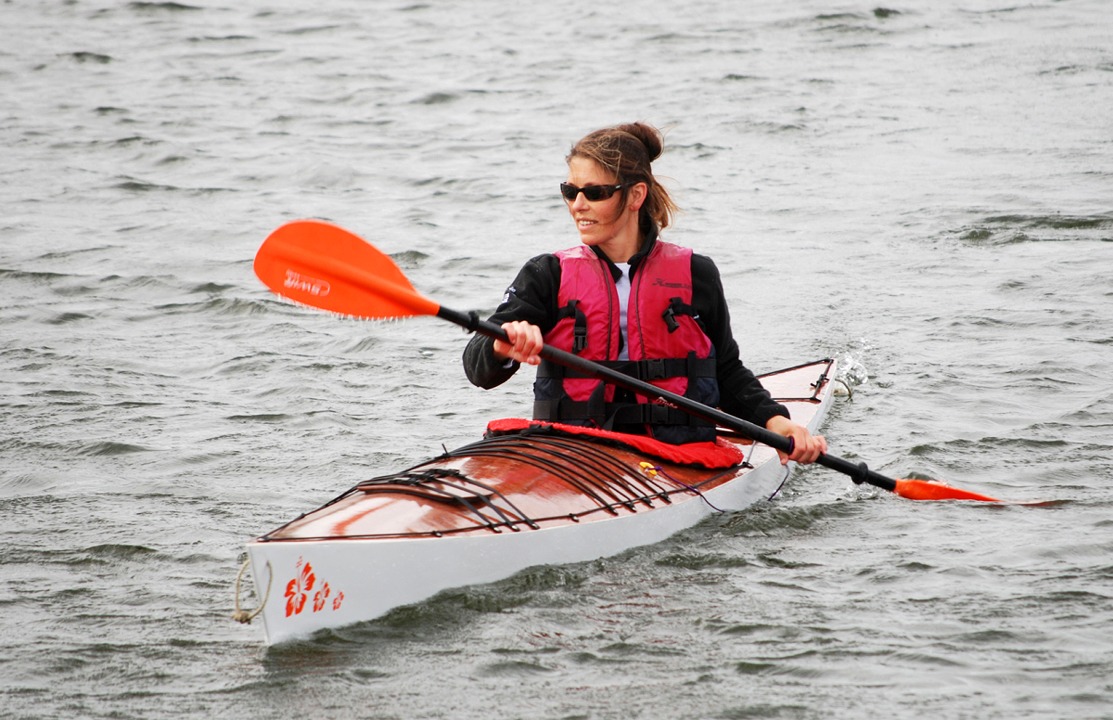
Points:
[592,193]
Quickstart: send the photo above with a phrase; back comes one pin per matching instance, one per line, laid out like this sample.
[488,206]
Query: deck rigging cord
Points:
[425,484]
[655,470]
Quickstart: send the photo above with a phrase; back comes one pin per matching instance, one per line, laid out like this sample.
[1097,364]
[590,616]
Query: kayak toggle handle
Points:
[245,616]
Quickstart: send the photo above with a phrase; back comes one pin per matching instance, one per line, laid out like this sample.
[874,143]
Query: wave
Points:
[1055,227]
[109,448]
[115,551]
[150,7]
[219,306]
[82,56]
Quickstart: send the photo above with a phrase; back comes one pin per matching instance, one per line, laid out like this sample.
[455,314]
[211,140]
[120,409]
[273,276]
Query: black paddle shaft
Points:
[858,472]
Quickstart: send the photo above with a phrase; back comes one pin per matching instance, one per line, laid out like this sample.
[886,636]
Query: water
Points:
[922,190]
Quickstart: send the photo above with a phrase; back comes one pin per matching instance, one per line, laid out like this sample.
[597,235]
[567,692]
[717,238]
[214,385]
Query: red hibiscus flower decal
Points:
[320,598]
[297,590]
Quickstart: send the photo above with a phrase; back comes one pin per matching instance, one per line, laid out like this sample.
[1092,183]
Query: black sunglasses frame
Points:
[592,193]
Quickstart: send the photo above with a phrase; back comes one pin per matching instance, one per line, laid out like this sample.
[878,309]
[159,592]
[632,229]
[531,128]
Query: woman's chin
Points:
[590,238]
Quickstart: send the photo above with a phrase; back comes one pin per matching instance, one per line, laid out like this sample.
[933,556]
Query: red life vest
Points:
[667,345]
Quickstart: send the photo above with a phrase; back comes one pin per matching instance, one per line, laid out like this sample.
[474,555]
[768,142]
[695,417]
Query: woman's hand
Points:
[525,343]
[807,447]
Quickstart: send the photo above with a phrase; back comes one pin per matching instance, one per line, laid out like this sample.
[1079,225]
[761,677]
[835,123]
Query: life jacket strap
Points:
[644,370]
[570,412]
[679,307]
[579,325]
[654,414]
[611,415]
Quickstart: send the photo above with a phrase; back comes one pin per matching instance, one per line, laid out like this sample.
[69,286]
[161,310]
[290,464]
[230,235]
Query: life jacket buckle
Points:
[652,369]
[670,316]
[579,339]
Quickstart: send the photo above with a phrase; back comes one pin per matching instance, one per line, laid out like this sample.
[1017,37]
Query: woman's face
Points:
[610,224]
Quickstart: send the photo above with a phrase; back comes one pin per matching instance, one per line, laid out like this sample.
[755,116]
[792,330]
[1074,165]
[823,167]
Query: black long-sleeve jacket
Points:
[533,298]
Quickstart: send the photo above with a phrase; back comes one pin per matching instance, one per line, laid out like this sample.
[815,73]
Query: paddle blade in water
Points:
[927,490]
[325,266]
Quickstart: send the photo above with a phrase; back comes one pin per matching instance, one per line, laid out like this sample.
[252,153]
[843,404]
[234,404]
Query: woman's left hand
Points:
[806,447]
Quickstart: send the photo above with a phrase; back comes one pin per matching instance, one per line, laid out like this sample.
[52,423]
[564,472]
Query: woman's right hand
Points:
[525,343]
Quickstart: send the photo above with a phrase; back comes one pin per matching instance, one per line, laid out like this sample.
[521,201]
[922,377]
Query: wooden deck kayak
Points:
[529,494]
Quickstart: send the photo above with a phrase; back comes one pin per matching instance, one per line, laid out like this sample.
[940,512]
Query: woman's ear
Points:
[636,197]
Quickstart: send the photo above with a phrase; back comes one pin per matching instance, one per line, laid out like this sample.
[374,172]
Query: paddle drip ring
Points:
[243,616]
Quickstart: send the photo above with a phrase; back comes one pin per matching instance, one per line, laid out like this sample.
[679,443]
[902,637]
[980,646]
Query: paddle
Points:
[327,267]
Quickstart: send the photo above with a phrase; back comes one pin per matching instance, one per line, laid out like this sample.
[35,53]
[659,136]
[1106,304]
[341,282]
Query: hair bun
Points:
[649,136]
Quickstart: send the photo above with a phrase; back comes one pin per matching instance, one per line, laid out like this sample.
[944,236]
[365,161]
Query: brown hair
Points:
[627,151]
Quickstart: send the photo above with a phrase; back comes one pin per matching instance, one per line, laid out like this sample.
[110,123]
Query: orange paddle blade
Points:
[927,490]
[325,266]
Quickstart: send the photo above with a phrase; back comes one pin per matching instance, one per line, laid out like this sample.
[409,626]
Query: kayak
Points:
[528,493]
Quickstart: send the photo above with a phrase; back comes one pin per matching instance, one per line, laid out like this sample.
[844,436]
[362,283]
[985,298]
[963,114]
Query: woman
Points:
[627,299]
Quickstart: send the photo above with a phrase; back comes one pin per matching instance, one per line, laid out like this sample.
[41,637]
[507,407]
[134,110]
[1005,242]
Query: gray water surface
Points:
[923,191]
